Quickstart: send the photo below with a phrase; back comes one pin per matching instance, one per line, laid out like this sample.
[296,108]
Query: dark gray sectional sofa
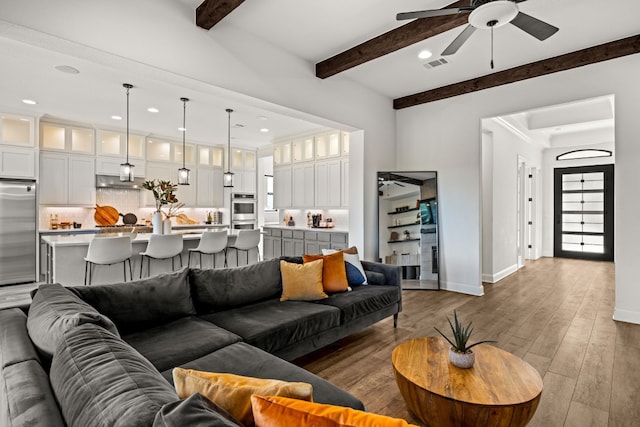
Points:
[103,355]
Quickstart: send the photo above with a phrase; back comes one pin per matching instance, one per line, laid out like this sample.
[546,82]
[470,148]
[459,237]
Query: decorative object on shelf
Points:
[227,177]
[407,234]
[461,354]
[126,168]
[183,172]
[394,236]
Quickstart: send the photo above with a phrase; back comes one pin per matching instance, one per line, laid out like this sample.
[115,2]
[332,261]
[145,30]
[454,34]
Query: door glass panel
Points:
[82,140]
[110,143]
[53,137]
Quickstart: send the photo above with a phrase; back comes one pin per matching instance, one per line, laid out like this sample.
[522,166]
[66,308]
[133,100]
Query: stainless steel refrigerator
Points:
[17,231]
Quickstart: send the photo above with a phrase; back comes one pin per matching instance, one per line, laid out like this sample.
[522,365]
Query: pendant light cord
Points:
[128,87]
[184,130]
[229,110]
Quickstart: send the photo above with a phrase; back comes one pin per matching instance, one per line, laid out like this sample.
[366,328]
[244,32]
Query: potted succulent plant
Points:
[460,353]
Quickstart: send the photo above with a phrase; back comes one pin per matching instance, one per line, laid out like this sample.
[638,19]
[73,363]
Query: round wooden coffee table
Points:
[499,390]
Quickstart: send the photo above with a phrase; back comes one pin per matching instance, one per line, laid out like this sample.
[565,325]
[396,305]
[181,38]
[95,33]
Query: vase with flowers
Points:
[163,193]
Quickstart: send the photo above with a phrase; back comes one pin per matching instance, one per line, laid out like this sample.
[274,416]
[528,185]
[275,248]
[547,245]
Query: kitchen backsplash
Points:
[124,201]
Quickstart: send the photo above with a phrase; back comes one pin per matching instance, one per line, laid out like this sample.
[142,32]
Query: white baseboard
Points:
[493,278]
[462,288]
[626,316]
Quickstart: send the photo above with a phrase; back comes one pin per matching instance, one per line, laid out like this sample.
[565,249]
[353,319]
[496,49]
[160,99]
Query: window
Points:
[587,153]
[268,204]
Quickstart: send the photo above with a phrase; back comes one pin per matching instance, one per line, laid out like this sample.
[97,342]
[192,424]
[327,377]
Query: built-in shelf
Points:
[404,225]
[403,240]
[401,212]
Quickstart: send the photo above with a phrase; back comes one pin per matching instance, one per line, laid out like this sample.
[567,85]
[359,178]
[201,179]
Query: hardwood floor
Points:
[555,313]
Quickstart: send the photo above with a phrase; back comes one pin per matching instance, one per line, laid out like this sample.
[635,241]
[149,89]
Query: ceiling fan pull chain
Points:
[492,47]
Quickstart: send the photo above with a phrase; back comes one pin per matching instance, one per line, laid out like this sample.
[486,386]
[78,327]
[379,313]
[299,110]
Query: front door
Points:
[583,212]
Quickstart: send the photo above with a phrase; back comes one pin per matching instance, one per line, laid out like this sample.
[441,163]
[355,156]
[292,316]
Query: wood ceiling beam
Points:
[210,12]
[592,55]
[398,38]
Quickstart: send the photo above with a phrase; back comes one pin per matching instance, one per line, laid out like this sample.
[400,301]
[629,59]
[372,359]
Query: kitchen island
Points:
[65,258]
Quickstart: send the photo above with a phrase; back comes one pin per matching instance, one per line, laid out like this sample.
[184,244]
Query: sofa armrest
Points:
[392,273]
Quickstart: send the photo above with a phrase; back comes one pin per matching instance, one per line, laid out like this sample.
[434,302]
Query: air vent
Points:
[435,63]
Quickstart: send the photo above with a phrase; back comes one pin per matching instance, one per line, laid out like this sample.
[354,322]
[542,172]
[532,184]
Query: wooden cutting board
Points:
[106,215]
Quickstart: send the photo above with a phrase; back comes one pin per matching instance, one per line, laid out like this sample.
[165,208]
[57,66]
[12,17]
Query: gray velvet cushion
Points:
[139,305]
[362,300]
[13,330]
[375,278]
[225,288]
[260,364]
[194,411]
[274,324]
[99,380]
[26,398]
[53,311]
[171,344]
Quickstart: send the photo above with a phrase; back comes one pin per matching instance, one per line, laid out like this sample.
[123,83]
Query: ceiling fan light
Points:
[502,11]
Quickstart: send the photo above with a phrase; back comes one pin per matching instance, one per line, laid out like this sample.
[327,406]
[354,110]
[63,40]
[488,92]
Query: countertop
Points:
[84,239]
[305,228]
[94,230]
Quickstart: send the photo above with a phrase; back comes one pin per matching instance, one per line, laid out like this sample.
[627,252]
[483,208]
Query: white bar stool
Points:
[108,251]
[162,247]
[211,243]
[247,240]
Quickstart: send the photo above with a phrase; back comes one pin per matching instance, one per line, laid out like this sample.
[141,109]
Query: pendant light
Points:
[227,177]
[183,172]
[126,169]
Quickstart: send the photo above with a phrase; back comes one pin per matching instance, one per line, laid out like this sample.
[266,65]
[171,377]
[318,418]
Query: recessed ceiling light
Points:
[264,130]
[425,54]
[67,69]
[181,129]
[116,117]
[29,101]
[153,110]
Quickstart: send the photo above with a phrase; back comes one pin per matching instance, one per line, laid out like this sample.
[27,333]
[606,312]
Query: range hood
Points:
[109,181]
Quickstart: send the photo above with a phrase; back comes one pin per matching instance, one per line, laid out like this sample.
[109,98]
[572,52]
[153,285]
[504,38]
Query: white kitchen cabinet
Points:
[302,150]
[282,154]
[244,182]
[328,184]
[344,183]
[210,156]
[111,166]
[17,130]
[209,189]
[17,162]
[67,179]
[328,145]
[344,143]
[158,171]
[159,150]
[243,165]
[114,143]
[282,187]
[60,137]
[302,184]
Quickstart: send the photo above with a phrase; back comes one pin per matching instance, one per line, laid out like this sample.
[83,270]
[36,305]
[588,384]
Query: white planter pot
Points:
[156,221]
[462,360]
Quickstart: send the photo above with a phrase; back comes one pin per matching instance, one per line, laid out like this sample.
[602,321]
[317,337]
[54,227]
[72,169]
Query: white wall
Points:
[505,149]
[445,136]
[159,37]
[550,163]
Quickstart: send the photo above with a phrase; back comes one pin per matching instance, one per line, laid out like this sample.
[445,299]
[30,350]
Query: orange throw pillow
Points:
[276,411]
[334,273]
[302,282]
[233,392]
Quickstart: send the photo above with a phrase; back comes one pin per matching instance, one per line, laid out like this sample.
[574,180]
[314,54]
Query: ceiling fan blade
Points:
[459,41]
[398,184]
[432,13]
[537,28]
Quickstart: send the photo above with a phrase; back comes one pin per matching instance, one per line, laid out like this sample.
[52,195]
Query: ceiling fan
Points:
[487,14]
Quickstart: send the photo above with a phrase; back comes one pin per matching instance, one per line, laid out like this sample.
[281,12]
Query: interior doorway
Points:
[583,212]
